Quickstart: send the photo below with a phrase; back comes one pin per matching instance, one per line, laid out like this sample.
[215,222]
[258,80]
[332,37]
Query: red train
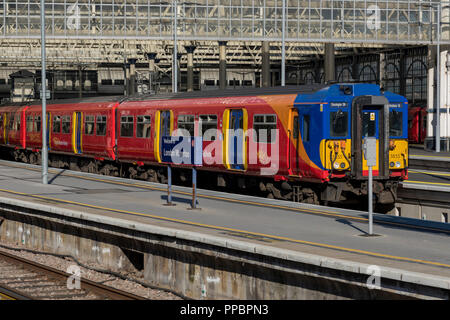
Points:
[417,124]
[298,143]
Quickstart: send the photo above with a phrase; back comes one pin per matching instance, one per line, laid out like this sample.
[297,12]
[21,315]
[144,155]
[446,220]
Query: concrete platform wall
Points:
[200,267]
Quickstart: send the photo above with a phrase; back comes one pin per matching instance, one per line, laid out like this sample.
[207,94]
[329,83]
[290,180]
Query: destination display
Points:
[182,150]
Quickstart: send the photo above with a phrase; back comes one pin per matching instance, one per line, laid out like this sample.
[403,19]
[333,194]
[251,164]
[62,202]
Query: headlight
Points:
[336,165]
[342,165]
[397,164]
[391,164]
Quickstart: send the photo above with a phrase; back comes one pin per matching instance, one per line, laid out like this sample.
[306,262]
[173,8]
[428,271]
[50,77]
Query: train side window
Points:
[208,127]
[17,122]
[395,123]
[101,125]
[56,124]
[305,129]
[29,123]
[339,123]
[186,125]
[11,122]
[263,125]
[66,124]
[143,126]
[89,125]
[37,121]
[14,122]
[126,126]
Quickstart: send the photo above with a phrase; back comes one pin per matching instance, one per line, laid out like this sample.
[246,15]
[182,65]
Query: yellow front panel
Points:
[337,150]
[398,152]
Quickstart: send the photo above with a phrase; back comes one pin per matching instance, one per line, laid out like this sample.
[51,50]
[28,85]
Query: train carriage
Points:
[298,143]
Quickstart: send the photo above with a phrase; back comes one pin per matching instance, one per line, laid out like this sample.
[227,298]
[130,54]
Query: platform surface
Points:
[417,150]
[404,243]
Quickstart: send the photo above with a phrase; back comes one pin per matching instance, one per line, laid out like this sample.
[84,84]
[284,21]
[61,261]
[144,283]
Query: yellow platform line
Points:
[431,183]
[430,172]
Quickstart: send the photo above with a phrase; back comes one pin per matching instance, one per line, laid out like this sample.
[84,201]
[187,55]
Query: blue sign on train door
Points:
[236,144]
[164,128]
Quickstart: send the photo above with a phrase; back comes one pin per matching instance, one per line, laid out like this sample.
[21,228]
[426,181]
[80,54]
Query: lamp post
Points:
[439,8]
[438,80]
[283,46]
[44,156]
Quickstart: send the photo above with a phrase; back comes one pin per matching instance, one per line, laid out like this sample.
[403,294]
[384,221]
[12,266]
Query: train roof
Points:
[303,89]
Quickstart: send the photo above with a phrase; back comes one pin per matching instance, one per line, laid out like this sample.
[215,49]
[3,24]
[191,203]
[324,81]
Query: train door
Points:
[369,121]
[48,127]
[422,127]
[294,141]
[236,140]
[77,124]
[2,127]
[163,127]
[7,127]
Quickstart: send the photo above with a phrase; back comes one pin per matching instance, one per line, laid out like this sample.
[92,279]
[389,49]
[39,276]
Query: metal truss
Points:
[344,21]
[67,53]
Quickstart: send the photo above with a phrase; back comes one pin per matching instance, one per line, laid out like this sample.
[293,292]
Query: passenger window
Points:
[29,123]
[143,127]
[264,126]
[339,123]
[395,123]
[37,121]
[66,124]
[89,125]
[208,127]
[14,123]
[305,130]
[56,124]
[126,126]
[186,125]
[101,125]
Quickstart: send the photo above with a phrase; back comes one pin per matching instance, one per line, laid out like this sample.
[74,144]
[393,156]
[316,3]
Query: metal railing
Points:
[353,21]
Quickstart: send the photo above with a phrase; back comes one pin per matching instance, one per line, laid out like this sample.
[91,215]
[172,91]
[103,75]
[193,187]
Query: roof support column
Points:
[222,65]
[151,56]
[382,69]
[265,53]
[132,76]
[190,67]
[330,68]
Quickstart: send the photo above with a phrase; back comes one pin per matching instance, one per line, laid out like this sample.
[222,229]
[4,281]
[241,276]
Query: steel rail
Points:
[88,285]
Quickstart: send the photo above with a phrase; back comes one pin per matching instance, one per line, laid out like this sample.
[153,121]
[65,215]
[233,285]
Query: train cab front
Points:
[368,113]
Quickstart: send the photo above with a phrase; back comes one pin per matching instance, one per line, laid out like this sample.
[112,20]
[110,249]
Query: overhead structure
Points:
[379,21]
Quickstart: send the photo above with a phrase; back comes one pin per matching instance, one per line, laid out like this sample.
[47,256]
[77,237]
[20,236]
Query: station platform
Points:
[404,244]
[419,150]
[421,159]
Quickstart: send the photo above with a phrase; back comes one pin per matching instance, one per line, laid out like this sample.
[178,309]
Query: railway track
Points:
[22,279]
